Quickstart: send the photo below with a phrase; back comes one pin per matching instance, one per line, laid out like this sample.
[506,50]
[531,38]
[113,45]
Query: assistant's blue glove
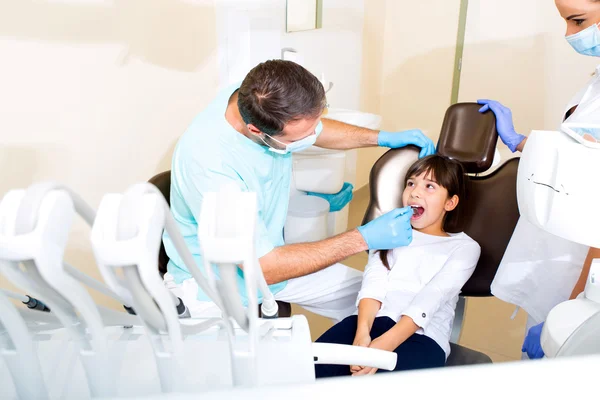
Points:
[504,123]
[389,231]
[394,140]
[338,200]
[532,345]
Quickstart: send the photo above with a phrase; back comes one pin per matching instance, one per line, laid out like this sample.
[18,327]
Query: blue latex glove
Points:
[504,123]
[415,137]
[532,345]
[389,231]
[338,200]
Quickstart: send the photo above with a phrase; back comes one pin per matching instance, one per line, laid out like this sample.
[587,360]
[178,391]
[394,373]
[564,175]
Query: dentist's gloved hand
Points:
[338,200]
[504,123]
[394,140]
[532,345]
[389,231]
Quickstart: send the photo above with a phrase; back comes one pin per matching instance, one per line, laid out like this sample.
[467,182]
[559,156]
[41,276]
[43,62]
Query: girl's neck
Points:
[433,230]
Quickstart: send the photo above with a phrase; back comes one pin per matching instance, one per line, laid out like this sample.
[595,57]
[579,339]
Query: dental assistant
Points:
[543,282]
[245,137]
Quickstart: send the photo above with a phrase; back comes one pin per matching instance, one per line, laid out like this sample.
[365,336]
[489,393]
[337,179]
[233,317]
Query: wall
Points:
[409,51]
[254,31]
[95,94]
[515,52]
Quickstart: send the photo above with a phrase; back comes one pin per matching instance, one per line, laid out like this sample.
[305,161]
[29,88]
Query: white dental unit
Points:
[558,191]
[81,350]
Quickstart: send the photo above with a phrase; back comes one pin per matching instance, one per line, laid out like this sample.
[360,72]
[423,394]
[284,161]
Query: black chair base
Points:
[460,355]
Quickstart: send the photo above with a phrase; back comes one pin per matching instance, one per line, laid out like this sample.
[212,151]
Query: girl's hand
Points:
[362,339]
[378,343]
[365,371]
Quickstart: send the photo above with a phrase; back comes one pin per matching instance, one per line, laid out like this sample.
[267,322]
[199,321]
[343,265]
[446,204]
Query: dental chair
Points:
[163,183]
[491,213]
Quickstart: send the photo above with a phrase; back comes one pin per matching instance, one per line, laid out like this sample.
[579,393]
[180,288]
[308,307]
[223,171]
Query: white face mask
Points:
[298,145]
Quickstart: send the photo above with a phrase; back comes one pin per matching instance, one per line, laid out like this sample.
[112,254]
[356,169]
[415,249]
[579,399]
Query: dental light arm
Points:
[559,177]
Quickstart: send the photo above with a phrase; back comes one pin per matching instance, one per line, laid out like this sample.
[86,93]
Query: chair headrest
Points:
[469,136]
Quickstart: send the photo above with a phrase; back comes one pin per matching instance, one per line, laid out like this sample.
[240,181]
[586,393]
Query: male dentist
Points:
[246,137]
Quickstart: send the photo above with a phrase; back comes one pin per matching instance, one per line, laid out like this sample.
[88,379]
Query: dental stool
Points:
[491,213]
[163,182]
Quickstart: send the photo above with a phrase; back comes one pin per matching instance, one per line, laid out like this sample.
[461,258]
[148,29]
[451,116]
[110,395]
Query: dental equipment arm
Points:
[226,233]
[556,176]
[27,217]
[37,242]
[126,236]
[19,353]
[127,229]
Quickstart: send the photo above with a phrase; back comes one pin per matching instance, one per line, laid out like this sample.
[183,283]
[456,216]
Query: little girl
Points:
[408,296]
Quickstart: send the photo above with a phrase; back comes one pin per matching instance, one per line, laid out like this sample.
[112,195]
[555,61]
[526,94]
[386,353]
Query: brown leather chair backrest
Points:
[491,211]
[163,182]
[469,136]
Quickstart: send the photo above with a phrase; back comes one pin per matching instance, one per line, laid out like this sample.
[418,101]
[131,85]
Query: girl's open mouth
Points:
[417,212]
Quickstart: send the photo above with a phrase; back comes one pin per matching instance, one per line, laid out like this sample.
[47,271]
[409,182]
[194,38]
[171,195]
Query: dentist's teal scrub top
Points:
[210,154]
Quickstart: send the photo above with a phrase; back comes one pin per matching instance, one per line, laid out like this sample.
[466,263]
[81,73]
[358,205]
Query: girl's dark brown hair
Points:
[449,174]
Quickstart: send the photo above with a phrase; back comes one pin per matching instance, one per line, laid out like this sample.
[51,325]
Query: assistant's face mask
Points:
[586,42]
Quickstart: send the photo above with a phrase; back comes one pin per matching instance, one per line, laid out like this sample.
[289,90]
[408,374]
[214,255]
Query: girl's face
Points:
[430,203]
[579,14]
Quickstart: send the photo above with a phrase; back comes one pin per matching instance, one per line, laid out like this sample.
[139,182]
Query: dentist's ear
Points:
[254,130]
[451,203]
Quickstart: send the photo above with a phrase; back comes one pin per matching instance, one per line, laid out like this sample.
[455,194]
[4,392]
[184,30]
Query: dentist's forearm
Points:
[295,260]
[340,136]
